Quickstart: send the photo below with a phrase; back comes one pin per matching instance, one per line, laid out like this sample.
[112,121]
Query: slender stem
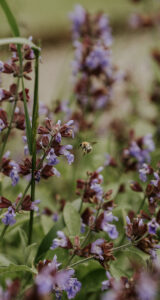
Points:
[81,261]
[34,131]
[123,246]
[3,231]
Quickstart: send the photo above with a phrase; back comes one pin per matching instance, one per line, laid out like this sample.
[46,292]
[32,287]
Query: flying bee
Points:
[86,147]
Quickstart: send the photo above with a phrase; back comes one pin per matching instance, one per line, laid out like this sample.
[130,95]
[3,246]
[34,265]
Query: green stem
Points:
[123,246]
[3,231]
[34,131]
[81,261]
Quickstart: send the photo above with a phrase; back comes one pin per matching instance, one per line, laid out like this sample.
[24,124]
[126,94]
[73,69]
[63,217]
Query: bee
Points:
[86,147]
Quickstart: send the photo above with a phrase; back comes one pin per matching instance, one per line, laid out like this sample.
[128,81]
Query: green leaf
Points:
[47,241]
[23,237]
[19,41]
[136,255]
[93,281]
[12,268]
[4,261]
[72,219]
[10,17]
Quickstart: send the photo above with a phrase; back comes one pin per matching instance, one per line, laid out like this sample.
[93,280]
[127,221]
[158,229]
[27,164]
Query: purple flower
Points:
[52,158]
[156,180]
[152,226]
[50,279]
[58,138]
[9,217]
[34,205]
[146,287]
[78,17]
[107,227]
[96,248]
[2,125]
[55,217]
[61,241]
[14,173]
[65,151]
[106,283]
[96,187]
[73,287]
[1,66]
[143,172]
[98,58]
[148,142]
[56,172]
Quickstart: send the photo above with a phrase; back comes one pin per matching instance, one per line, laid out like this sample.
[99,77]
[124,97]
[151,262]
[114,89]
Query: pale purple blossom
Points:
[107,227]
[153,226]
[143,172]
[64,150]
[50,279]
[97,249]
[2,125]
[52,158]
[146,287]
[9,217]
[61,241]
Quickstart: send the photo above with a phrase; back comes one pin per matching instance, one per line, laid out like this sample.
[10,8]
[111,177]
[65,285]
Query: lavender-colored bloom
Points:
[83,227]
[142,155]
[143,172]
[106,283]
[148,142]
[52,280]
[107,227]
[65,151]
[61,241]
[78,17]
[34,205]
[98,58]
[14,173]
[73,287]
[55,217]
[152,226]
[156,180]
[52,158]
[96,248]
[96,187]
[1,66]
[146,287]
[58,137]
[105,30]
[2,125]
[56,172]
[9,217]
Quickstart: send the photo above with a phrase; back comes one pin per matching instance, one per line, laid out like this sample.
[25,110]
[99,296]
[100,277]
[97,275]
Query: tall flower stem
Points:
[34,131]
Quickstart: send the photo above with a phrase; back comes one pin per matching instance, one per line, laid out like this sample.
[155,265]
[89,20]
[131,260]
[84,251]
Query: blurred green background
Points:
[48,19]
